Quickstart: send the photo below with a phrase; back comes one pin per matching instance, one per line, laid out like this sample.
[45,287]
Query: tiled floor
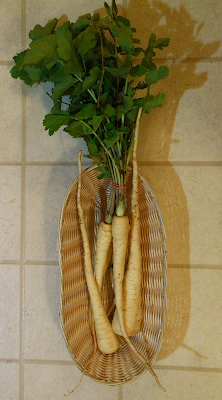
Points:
[180,155]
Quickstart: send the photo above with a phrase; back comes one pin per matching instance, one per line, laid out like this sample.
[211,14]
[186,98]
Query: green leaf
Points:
[101,168]
[58,90]
[40,32]
[152,40]
[103,98]
[19,59]
[87,112]
[123,32]
[148,59]
[33,72]
[130,90]
[137,51]
[114,8]
[29,74]
[108,9]
[104,172]
[104,176]
[56,74]
[114,139]
[85,41]
[128,102]
[56,109]
[94,148]
[96,121]
[95,17]
[125,39]
[64,41]
[41,48]
[123,72]
[138,70]
[141,85]
[73,66]
[159,43]
[132,115]
[90,80]
[109,111]
[149,102]
[81,24]
[107,23]
[53,122]
[122,20]
[76,129]
[157,74]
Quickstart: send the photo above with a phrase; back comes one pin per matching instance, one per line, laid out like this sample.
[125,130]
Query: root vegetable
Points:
[129,296]
[132,299]
[120,231]
[103,252]
[107,340]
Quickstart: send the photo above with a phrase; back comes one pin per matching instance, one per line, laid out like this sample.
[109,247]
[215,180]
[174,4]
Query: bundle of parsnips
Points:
[101,80]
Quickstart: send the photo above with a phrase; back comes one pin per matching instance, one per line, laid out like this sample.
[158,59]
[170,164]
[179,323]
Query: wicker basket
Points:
[121,366]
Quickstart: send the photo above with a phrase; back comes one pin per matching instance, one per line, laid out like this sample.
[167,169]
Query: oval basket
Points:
[122,366]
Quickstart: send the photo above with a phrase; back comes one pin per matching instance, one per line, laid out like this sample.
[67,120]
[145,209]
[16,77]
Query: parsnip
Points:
[107,340]
[132,300]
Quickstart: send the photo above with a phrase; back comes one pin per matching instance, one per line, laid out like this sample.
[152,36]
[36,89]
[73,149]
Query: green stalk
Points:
[90,91]
[103,145]
[102,62]
[125,91]
[110,207]
[80,80]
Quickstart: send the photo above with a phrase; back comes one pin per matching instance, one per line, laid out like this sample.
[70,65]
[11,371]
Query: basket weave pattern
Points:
[121,366]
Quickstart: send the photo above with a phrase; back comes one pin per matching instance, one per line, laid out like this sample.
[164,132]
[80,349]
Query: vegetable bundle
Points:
[101,85]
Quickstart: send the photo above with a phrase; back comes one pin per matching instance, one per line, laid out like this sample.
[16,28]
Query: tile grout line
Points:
[156,366]
[120,392]
[56,263]
[141,163]
[23,179]
[157,59]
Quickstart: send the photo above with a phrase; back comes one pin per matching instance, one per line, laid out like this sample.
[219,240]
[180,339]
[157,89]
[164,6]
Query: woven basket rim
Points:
[163,234]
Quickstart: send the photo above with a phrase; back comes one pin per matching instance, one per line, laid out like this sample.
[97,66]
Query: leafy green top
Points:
[94,62]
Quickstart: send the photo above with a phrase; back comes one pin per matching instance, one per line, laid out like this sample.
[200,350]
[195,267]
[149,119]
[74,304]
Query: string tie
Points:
[115,185]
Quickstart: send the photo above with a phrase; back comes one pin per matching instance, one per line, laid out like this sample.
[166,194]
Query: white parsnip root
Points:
[107,340]
[130,296]
[120,230]
[132,299]
[103,252]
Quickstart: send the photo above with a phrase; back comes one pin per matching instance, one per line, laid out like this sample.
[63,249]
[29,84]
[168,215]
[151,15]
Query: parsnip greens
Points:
[99,65]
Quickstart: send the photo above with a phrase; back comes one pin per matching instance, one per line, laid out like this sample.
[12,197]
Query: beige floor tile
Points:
[187,127]
[43,334]
[46,188]
[10,212]
[61,147]
[53,381]
[193,26]
[9,311]
[11,117]
[10,29]
[197,132]
[40,12]
[9,381]
[193,325]
[179,385]
[202,188]
[190,200]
